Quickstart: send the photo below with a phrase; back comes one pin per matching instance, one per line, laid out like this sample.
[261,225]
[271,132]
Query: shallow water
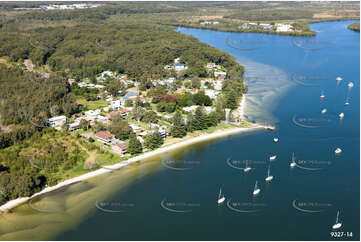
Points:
[153,201]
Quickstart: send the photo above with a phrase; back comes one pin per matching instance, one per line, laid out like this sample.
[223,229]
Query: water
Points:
[151,202]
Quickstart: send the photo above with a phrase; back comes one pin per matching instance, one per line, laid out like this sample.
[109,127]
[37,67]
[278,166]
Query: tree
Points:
[196,83]
[153,140]
[120,129]
[199,119]
[150,117]
[138,113]
[115,86]
[84,124]
[157,93]
[231,100]
[178,129]
[128,103]
[134,145]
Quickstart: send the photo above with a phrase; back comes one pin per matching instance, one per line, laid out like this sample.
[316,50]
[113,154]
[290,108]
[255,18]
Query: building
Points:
[284,28]
[73,126]
[56,122]
[190,108]
[220,74]
[129,95]
[120,147]
[92,113]
[105,137]
[218,85]
[211,66]
[180,67]
[211,93]
[135,128]
[266,26]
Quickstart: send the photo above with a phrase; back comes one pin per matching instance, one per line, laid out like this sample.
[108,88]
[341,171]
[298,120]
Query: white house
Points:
[115,105]
[218,85]
[220,74]
[56,122]
[284,27]
[190,108]
[211,93]
[93,113]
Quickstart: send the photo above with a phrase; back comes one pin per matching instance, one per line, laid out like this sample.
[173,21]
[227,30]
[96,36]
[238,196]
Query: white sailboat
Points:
[275,139]
[341,115]
[271,158]
[256,190]
[269,177]
[338,151]
[338,79]
[247,168]
[350,85]
[338,224]
[347,102]
[324,111]
[221,197]
[293,163]
[322,95]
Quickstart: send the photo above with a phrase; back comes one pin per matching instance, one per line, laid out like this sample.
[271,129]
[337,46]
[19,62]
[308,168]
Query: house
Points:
[105,137]
[193,91]
[115,105]
[218,85]
[120,147]
[208,110]
[56,122]
[128,95]
[102,119]
[135,128]
[122,113]
[284,28]
[73,126]
[211,93]
[266,26]
[176,60]
[180,67]
[92,113]
[211,66]
[190,108]
[215,22]
[220,74]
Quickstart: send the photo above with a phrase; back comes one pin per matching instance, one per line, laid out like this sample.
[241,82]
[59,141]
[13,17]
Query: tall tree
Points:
[134,145]
[178,129]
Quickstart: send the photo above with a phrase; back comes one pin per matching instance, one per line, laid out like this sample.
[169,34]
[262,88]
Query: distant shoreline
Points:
[217,134]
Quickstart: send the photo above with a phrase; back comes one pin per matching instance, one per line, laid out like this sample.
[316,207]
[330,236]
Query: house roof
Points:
[122,146]
[105,135]
[130,94]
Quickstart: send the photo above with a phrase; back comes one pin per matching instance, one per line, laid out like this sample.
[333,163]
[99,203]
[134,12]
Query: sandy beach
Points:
[16,202]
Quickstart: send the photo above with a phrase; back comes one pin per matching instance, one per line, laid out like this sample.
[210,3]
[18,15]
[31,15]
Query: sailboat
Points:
[275,139]
[338,151]
[338,224]
[269,177]
[338,79]
[293,163]
[247,168]
[347,103]
[341,115]
[221,197]
[350,85]
[256,189]
[271,158]
[324,111]
[322,95]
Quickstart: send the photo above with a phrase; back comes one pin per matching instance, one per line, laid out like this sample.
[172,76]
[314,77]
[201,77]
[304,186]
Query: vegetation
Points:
[354,27]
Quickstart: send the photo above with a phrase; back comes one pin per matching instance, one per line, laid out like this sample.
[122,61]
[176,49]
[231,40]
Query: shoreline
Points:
[217,134]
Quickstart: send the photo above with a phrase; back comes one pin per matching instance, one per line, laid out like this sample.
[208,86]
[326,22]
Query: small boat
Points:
[341,115]
[347,103]
[256,190]
[338,151]
[338,224]
[322,95]
[324,111]
[247,168]
[273,157]
[339,79]
[350,84]
[269,177]
[221,198]
[293,163]
[275,140]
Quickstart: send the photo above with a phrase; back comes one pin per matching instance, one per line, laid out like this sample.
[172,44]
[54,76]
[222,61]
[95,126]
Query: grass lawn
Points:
[91,105]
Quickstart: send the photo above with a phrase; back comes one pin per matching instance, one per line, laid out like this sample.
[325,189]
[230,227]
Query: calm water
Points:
[152,201]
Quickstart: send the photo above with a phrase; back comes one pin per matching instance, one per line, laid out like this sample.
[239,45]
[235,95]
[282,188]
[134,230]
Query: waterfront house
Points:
[92,113]
[120,148]
[105,137]
[56,122]
[284,28]
[73,126]
[211,93]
